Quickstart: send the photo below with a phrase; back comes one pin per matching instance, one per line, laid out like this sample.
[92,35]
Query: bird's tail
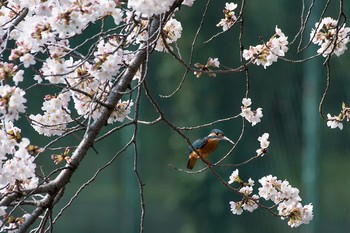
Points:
[191,162]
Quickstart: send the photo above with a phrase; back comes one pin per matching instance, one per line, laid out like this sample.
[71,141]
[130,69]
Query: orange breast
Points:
[208,148]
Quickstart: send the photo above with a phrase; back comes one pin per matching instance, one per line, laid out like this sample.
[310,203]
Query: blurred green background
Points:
[303,149]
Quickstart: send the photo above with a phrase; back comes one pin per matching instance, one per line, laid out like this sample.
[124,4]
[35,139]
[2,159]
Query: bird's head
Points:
[218,135]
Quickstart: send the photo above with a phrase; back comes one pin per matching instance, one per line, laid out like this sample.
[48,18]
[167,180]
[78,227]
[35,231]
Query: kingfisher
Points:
[205,146]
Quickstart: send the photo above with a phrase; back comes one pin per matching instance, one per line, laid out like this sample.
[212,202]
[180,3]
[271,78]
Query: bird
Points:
[205,146]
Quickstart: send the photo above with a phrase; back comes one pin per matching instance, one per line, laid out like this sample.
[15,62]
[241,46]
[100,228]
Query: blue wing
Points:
[199,143]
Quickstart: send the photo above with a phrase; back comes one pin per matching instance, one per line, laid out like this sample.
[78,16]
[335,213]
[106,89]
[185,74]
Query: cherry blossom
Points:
[172,32]
[267,53]
[9,71]
[150,7]
[250,204]
[56,115]
[230,17]
[264,144]
[331,37]
[252,116]
[285,199]
[236,207]
[17,170]
[188,2]
[234,177]
[336,121]
[11,102]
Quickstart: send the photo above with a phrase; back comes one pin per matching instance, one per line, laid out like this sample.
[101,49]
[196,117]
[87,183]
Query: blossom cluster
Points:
[11,102]
[264,144]
[89,85]
[153,7]
[252,116]
[10,71]
[172,32]
[230,17]
[17,167]
[330,36]
[150,7]
[285,198]
[56,115]
[46,29]
[249,202]
[267,53]
[336,121]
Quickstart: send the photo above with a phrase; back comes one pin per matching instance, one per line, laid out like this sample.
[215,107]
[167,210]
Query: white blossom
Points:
[11,102]
[287,200]
[27,59]
[326,32]
[121,111]
[246,102]
[214,62]
[264,144]
[246,190]
[334,122]
[230,6]
[268,53]
[229,16]
[56,115]
[251,116]
[150,7]
[250,204]
[188,2]
[236,207]
[18,77]
[234,177]
[251,182]
[172,30]
[17,166]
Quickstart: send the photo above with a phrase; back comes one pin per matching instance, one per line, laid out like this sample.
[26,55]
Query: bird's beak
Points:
[229,140]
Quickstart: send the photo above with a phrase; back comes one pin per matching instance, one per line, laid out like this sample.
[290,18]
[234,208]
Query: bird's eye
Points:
[219,135]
